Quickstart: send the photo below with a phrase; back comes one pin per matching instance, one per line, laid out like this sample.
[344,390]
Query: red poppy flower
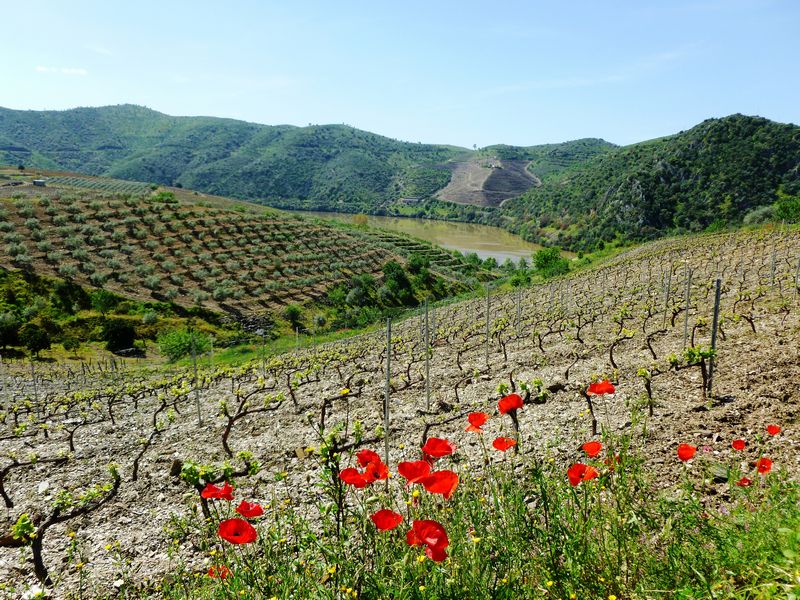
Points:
[432,535]
[580,472]
[509,403]
[738,444]
[612,461]
[437,448]
[414,471]
[476,420]
[601,387]
[686,452]
[237,531]
[504,443]
[592,449]
[744,482]
[366,456]
[352,477]
[376,471]
[249,510]
[386,519]
[773,429]
[219,572]
[764,465]
[211,491]
[441,482]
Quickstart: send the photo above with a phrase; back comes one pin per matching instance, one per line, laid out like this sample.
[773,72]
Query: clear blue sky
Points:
[460,72]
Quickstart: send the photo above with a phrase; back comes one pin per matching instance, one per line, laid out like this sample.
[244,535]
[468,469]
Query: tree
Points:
[293,314]
[70,343]
[549,262]
[34,338]
[103,301]
[178,343]
[9,330]
[68,296]
[118,334]
[397,285]
[417,262]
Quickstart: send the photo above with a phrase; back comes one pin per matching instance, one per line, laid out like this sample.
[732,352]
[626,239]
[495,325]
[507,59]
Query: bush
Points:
[177,343]
[9,330]
[34,338]
[293,314]
[118,334]
[549,263]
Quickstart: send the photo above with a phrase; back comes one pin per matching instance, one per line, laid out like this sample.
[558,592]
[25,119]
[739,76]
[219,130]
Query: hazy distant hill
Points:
[713,174]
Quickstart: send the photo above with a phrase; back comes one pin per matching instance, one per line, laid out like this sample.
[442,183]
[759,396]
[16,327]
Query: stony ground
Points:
[155,420]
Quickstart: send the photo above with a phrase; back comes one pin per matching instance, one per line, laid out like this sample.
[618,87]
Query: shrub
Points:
[549,263]
[118,334]
[34,338]
[178,343]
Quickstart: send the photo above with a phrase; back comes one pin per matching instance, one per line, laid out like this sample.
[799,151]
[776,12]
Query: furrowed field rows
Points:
[644,320]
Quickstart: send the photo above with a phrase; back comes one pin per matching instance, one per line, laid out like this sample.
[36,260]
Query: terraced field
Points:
[487,181]
[189,249]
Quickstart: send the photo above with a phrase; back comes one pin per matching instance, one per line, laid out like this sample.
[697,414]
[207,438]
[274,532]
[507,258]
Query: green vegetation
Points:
[178,343]
[546,159]
[549,263]
[721,173]
[521,527]
[714,175]
[37,312]
[325,167]
[171,248]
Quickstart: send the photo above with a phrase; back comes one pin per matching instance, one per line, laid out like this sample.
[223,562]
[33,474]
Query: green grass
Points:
[516,529]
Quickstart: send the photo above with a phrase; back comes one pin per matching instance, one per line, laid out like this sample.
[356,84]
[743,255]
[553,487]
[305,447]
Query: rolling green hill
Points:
[721,172]
[581,194]
[327,167]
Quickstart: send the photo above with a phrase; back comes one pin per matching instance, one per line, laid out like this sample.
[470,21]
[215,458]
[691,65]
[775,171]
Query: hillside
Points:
[283,432]
[715,174]
[194,250]
[325,167]
[579,194]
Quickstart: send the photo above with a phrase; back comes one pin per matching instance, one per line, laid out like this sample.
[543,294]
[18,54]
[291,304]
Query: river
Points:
[483,240]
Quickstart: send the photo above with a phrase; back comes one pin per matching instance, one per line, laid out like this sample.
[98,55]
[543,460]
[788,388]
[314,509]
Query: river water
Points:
[483,240]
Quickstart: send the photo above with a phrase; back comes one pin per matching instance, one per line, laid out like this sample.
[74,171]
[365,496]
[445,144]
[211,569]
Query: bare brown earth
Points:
[564,338]
[487,181]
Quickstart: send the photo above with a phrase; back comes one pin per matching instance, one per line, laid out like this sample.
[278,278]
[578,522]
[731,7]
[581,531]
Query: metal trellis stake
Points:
[686,314]
[427,361]
[487,327]
[386,392]
[196,390]
[714,336]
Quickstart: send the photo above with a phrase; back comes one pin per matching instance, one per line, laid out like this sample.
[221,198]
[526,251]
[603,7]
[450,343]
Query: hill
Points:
[499,173]
[195,250]
[721,172]
[288,432]
[325,167]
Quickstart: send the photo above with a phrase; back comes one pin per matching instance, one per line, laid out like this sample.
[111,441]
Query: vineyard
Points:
[176,248]
[111,186]
[101,477]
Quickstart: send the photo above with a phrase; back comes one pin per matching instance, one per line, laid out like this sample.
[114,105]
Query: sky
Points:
[452,72]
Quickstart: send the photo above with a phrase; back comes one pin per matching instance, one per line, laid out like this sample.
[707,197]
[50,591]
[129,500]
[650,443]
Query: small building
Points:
[39,182]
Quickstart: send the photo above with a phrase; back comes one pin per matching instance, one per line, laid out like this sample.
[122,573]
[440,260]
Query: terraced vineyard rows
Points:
[111,186]
[629,321]
[155,247]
